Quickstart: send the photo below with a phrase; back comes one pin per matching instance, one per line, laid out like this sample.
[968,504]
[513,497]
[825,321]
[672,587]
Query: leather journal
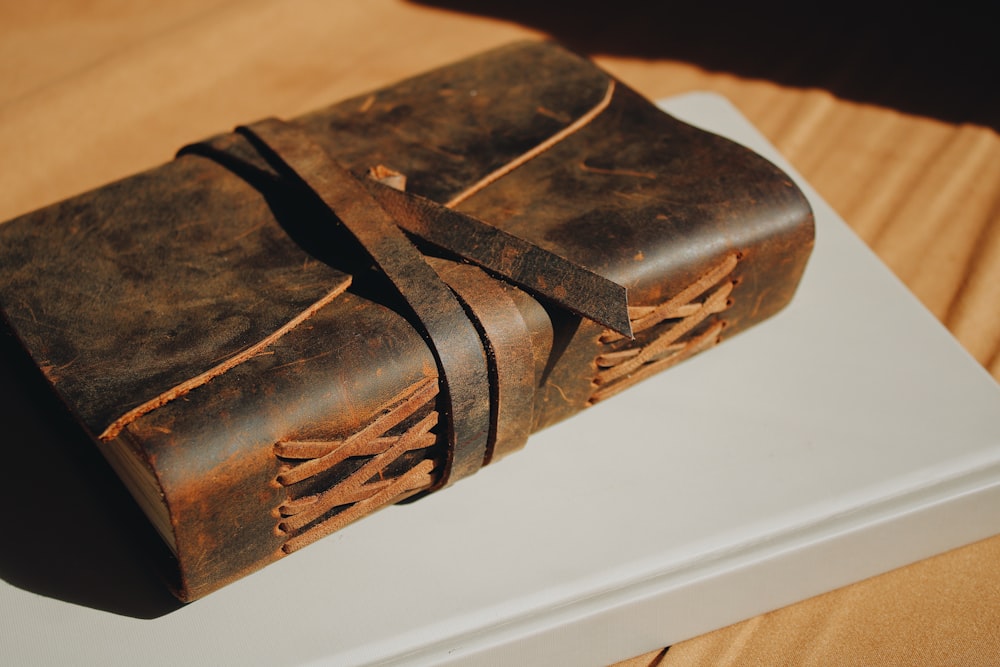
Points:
[294,324]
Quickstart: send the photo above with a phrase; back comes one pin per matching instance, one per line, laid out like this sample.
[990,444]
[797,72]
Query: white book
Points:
[847,436]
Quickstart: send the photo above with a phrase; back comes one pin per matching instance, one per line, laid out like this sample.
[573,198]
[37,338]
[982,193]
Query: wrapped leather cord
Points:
[452,336]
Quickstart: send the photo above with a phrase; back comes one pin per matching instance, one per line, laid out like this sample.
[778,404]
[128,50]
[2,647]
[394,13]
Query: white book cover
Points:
[847,436]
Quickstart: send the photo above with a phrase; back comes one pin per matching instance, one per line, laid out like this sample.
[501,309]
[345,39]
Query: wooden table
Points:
[93,91]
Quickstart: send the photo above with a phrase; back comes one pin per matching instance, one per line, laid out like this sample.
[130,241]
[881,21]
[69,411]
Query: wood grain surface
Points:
[94,90]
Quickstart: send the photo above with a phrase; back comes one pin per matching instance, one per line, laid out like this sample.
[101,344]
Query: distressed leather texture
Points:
[237,340]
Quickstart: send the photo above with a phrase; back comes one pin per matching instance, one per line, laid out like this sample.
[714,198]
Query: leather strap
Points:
[523,263]
[453,338]
[508,350]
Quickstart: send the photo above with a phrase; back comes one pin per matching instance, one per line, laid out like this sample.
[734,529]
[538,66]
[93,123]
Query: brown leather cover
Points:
[234,338]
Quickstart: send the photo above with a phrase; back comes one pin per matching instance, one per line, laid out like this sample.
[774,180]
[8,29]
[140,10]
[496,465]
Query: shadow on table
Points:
[73,532]
[938,61]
